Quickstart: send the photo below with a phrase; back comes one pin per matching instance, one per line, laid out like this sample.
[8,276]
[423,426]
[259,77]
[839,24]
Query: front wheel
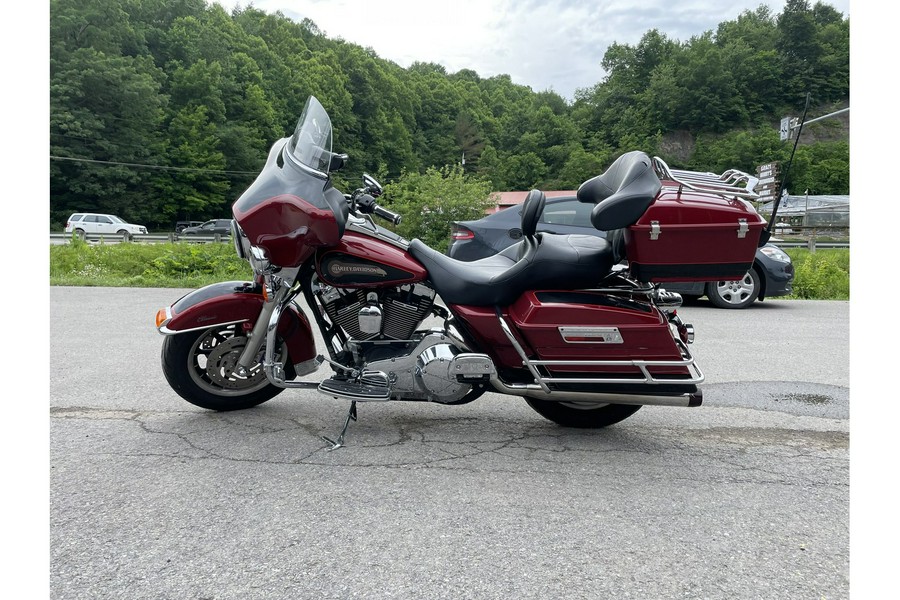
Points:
[735,294]
[583,415]
[199,365]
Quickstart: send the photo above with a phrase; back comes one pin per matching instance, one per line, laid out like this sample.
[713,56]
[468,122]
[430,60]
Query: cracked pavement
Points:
[743,497]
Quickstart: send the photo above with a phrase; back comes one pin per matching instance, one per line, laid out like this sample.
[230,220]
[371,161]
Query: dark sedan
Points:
[772,273]
[220,226]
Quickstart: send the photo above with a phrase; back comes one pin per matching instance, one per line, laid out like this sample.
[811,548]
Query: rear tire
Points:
[79,233]
[199,367]
[582,415]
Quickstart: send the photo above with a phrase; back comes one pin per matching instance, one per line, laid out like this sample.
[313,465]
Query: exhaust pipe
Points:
[538,393]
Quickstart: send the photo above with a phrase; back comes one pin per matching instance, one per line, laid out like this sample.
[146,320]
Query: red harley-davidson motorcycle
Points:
[577,325]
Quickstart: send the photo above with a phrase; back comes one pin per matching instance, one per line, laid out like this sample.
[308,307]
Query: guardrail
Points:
[812,245]
[168,238]
[145,238]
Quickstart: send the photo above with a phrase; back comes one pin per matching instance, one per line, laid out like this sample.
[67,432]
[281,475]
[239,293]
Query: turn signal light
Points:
[162,315]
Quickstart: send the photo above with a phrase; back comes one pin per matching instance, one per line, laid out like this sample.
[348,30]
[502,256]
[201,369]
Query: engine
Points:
[386,339]
[392,314]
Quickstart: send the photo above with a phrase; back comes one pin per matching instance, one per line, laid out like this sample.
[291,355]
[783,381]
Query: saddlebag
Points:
[694,231]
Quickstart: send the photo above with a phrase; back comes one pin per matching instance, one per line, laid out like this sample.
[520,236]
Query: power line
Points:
[160,167]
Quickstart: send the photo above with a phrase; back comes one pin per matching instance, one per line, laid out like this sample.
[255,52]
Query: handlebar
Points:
[388,215]
[366,204]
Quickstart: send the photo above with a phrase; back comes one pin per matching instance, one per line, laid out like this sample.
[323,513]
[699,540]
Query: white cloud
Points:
[550,44]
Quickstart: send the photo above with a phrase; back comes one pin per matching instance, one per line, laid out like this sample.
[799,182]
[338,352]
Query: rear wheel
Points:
[583,415]
[79,233]
[199,365]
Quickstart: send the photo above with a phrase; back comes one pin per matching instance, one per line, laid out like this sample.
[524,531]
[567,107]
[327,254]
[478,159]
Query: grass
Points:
[181,265]
[820,275]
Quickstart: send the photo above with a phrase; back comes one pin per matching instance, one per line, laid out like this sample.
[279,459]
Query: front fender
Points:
[233,302]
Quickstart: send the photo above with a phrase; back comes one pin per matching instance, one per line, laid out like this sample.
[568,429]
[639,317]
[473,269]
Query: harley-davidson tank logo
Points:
[338,269]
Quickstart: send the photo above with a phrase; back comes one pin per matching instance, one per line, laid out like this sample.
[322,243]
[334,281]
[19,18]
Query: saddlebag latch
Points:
[654,230]
[743,228]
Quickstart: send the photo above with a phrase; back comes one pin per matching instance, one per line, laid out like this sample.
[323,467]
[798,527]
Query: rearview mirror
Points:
[372,185]
[337,162]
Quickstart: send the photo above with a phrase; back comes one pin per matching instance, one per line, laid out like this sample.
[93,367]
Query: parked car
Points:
[82,224]
[772,273]
[182,225]
[220,226]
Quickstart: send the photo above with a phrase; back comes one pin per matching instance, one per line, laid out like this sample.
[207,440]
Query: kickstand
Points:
[351,416]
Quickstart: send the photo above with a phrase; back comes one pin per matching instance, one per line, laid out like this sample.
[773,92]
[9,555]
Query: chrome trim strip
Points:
[357,224]
[166,331]
[590,335]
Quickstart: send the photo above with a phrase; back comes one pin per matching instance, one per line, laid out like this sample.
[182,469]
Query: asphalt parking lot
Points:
[746,496]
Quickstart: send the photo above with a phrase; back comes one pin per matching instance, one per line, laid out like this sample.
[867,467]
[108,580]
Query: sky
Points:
[544,44]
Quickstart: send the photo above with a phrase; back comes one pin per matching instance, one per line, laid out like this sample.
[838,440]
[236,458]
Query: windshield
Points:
[116,219]
[310,145]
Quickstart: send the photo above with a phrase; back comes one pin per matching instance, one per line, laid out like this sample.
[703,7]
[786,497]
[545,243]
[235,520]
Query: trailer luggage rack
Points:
[731,183]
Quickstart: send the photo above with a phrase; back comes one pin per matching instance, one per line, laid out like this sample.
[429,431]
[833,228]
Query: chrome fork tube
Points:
[275,370]
[259,333]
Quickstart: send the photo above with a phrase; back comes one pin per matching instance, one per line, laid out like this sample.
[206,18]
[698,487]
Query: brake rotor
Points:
[223,360]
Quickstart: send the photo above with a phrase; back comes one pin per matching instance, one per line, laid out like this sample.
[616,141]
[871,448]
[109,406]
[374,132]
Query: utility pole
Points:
[791,124]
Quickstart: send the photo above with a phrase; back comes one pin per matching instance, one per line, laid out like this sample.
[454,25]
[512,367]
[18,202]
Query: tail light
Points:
[459,233]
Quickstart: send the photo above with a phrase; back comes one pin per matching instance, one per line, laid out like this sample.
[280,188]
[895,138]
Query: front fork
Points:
[278,294]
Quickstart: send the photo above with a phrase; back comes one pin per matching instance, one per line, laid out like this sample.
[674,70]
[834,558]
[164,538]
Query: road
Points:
[746,496]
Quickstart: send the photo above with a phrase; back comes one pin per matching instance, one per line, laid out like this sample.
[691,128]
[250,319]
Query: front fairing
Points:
[292,208]
[290,212]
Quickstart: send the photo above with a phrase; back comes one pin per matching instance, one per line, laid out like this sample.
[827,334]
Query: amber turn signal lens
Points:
[161,316]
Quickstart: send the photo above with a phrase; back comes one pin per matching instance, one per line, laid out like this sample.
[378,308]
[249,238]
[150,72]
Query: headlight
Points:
[775,253]
[259,260]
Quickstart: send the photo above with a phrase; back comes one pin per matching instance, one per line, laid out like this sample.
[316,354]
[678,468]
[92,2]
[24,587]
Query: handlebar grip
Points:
[388,215]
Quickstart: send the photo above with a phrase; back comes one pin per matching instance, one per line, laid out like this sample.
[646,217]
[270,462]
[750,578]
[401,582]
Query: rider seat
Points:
[538,261]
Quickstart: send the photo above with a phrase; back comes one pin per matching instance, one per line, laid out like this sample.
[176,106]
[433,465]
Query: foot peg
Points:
[372,386]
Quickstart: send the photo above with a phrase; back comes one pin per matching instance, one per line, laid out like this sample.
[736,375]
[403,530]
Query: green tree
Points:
[429,202]
[194,147]
[105,116]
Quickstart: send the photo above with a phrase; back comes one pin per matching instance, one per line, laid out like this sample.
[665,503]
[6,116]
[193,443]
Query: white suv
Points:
[82,224]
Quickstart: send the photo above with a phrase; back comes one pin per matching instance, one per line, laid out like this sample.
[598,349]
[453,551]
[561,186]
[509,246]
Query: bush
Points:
[821,275]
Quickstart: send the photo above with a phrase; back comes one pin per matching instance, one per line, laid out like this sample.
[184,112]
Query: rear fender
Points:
[233,302]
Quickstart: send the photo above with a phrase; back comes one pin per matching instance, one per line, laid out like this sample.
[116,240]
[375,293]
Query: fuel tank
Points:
[361,261]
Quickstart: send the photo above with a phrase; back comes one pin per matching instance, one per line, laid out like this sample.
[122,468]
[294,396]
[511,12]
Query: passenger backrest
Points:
[623,193]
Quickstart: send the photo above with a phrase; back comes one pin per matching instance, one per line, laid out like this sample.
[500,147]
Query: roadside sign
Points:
[785,131]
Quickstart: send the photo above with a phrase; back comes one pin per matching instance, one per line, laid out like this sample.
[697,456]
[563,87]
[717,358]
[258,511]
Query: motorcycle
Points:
[578,326]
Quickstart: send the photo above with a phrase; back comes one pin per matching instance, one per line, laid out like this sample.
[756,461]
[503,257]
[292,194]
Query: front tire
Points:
[735,294]
[126,236]
[199,365]
[582,415]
